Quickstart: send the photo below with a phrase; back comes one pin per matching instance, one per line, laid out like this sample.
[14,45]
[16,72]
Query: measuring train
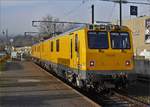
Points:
[93,56]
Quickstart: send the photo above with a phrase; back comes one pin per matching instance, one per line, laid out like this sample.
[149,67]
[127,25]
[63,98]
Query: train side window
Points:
[39,48]
[57,45]
[71,48]
[42,48]
[51,46]
[76,43]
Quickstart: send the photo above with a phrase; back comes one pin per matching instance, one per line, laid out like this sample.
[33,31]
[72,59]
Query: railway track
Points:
[116,99]
[134,98]
[143,78]
[127,101]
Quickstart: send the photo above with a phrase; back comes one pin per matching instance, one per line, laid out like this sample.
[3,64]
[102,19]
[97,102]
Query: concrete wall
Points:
[142,67]
[137,25]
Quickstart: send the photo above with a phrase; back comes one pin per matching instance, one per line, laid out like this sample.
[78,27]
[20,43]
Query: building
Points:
[140,27]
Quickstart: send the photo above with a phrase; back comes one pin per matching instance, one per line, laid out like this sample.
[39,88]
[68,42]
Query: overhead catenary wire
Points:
[114,1]
[132,2]
[76,8]
[147,2]
[111,13]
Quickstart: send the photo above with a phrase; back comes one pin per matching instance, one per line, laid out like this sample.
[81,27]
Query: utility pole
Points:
[54,32]
[8,42]
[92,13]
[5,33]
[120,2]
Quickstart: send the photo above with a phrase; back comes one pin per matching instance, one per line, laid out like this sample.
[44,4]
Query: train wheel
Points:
[99,87]
[109,92]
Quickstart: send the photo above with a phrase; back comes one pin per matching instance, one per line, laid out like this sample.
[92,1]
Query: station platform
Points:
[24,84]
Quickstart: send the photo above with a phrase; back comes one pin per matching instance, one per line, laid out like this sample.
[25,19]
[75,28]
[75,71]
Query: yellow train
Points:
[89,56]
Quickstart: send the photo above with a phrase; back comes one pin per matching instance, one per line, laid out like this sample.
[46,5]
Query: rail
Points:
[134,99]
[143,78]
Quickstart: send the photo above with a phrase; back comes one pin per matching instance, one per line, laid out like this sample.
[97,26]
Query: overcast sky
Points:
[17,15]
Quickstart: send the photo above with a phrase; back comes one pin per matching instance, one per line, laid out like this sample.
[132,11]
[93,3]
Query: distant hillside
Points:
[19,41]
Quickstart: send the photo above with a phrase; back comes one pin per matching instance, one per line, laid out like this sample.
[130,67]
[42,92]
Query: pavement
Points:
[24,84]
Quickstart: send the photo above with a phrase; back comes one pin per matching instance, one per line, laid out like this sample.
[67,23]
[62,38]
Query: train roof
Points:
[64,33]
[90,27]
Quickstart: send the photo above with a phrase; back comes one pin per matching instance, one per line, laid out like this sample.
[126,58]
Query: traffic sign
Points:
[134,10]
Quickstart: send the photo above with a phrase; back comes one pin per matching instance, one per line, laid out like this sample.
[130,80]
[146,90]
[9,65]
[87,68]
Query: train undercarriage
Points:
[99,83]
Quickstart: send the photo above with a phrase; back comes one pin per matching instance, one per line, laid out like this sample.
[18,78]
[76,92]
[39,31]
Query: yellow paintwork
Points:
[106,59]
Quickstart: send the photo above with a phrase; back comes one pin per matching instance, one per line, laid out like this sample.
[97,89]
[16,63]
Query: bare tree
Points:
[50,28]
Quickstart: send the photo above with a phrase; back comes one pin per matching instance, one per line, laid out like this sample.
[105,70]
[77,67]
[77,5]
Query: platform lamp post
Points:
[11,43]
[2,43]
[5,33]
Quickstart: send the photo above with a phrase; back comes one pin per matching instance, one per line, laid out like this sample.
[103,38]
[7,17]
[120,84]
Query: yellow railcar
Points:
[94,54]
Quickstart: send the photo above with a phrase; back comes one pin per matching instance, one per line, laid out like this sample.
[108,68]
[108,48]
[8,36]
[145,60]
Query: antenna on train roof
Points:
[103,22]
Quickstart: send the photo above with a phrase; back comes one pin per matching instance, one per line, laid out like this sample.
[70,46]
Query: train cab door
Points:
[74,52]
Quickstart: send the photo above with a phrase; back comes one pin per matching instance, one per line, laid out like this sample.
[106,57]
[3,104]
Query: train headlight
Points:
[128,62]
[92,63]
[102,27]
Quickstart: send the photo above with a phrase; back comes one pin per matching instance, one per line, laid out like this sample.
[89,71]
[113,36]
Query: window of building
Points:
[147,38]
[147,31]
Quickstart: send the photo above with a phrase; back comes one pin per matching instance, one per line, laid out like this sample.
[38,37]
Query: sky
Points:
[17,15]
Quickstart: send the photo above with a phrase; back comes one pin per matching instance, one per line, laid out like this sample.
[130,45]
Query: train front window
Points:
[97,40]
[120,40]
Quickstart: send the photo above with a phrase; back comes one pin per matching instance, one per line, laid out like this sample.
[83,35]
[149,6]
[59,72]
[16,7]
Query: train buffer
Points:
[24,84]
